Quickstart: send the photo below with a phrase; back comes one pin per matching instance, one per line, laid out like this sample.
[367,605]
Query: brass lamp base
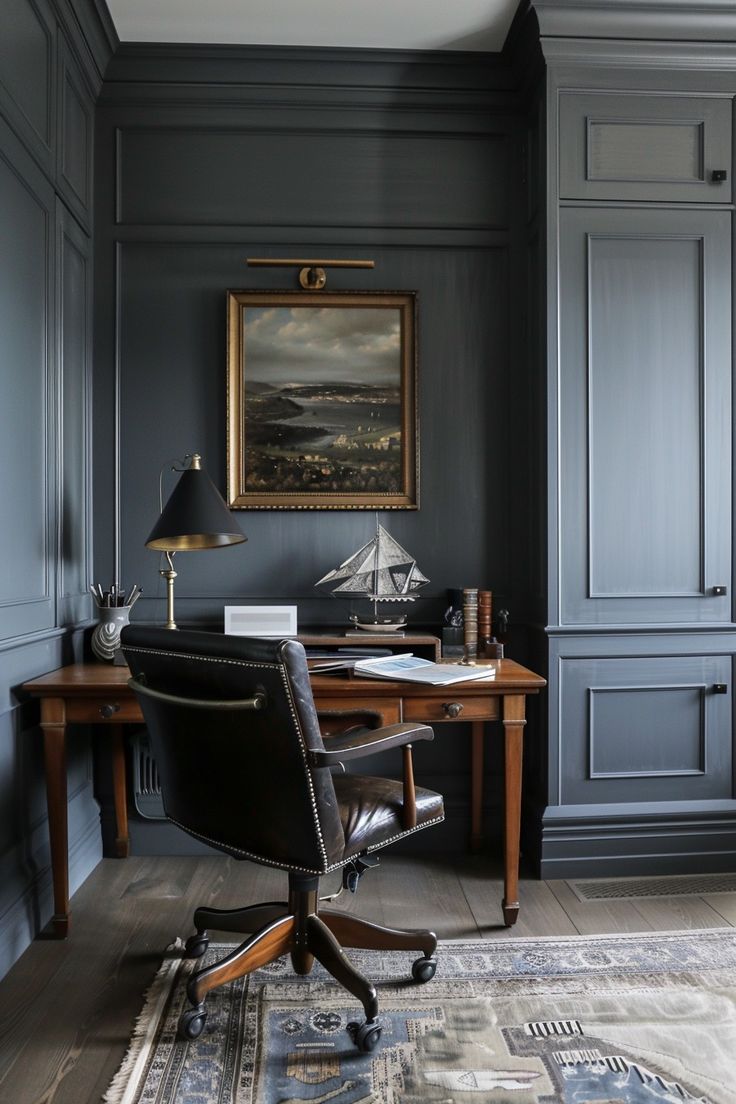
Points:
[169,575]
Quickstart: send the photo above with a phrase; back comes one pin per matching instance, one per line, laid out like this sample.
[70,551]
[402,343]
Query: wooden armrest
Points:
[359,742]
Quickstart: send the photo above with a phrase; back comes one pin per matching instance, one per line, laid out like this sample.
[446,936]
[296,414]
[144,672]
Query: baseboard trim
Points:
[621,847]
[32,907]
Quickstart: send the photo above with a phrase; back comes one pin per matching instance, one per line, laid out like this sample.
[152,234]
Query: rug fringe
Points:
[146,1023]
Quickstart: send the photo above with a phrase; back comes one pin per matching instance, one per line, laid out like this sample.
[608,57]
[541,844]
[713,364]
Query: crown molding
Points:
[657,20]
[91,34]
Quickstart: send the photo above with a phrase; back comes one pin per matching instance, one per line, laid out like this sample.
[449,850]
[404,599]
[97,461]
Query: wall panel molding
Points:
[28,75]
[75,130]
[28,416]
[309,178]
[74,333]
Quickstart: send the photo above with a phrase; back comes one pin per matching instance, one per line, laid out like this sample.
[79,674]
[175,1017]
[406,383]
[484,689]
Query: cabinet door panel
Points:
[74,299]
[646,728]
[644,430]
[74,140]
[27,74]
[26,406]
[639,146]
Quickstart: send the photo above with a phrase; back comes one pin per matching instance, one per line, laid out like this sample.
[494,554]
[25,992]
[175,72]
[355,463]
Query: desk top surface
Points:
[80,679]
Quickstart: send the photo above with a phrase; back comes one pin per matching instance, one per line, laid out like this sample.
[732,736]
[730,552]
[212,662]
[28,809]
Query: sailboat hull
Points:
[384,625]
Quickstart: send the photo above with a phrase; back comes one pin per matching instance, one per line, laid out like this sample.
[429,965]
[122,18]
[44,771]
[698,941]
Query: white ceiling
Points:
[382,24]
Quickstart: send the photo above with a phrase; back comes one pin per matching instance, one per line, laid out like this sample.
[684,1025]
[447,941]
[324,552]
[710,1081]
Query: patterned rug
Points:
[622,1019]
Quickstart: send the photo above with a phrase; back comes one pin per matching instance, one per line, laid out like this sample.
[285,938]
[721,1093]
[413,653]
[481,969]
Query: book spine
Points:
[470,625]
[485,622]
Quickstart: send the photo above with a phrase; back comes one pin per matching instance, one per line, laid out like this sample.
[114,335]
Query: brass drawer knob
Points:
[109,710]
[452,709]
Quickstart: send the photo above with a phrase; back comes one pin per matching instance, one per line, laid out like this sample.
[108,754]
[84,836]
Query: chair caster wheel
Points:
[196,945]
[191,1023]
[365,1035]
[424,969]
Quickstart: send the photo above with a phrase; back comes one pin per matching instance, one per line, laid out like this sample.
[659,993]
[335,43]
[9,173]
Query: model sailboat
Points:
[381,571]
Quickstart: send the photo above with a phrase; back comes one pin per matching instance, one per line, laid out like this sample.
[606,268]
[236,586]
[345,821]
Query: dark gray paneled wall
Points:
[306,162]
[412,161]
[48,81]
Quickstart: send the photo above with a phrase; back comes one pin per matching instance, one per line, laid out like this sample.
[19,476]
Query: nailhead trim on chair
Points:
[307,770]
[295,717]
[228,848]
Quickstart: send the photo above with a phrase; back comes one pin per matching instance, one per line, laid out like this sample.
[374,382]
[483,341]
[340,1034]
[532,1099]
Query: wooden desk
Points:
[96,693]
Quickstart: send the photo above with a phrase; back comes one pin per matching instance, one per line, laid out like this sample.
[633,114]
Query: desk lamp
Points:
[194,517]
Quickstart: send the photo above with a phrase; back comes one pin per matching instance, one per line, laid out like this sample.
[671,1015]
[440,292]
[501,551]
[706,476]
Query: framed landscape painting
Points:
[322,400]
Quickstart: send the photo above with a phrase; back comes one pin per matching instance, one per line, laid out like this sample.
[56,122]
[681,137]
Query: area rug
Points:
[621,1019]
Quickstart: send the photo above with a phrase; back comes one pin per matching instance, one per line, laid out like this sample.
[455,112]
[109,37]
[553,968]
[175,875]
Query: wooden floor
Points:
[67,1008]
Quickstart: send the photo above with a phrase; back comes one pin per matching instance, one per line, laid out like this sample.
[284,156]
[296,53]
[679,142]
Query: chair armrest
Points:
[357,743]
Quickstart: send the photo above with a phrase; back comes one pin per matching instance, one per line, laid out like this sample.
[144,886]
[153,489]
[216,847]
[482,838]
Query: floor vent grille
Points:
[687,885]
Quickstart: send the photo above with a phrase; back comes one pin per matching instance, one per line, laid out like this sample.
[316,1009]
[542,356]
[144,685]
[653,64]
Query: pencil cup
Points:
[106,634]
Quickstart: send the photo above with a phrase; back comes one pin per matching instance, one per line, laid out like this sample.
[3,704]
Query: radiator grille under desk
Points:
[146,782]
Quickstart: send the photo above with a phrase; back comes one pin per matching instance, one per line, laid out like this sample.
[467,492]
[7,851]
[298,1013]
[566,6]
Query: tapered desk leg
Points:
[122,840]
[513,726]
[53,724]
[477,736]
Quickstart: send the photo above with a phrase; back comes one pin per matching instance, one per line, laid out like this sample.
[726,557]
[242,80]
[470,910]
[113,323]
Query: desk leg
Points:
[513,726]
[122,840]
[477,736]
[53,724]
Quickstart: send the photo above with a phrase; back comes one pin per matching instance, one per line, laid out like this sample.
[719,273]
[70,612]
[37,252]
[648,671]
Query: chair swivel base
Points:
[299,929]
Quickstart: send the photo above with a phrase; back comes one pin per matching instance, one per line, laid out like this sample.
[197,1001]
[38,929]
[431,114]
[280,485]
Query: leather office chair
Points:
[244,768]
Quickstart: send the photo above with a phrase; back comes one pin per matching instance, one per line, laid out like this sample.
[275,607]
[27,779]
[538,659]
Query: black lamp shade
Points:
[194,517]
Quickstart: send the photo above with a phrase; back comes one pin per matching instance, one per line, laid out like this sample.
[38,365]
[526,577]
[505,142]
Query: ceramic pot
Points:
[106,634]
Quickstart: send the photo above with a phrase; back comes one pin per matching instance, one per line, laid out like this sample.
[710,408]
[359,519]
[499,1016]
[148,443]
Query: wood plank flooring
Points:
[67,1008]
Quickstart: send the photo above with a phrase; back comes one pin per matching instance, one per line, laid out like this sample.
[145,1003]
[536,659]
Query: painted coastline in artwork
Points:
[323,399]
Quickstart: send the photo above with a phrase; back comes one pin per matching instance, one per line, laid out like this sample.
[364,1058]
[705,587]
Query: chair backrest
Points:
[234,775]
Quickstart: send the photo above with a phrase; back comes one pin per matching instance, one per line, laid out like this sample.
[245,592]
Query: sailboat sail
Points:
[381,570]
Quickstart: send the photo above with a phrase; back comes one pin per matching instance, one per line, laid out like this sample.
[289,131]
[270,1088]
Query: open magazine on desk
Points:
[410,668]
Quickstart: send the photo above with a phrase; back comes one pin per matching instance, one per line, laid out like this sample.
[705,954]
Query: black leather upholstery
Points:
[246,782]
[244,767]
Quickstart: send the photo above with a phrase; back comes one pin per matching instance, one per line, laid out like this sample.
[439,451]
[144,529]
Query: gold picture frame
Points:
[321,396]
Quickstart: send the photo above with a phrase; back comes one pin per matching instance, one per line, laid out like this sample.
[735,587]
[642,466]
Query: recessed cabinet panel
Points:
[74,300]
[646,728]
[645,390]
[27,32]
[26,554]
[74,147]
[653,147]
[222,176]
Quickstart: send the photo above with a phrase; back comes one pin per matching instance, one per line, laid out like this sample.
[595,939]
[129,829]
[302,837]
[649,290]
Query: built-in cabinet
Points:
[640,770]
[645,146]
[645,414]
[48,84]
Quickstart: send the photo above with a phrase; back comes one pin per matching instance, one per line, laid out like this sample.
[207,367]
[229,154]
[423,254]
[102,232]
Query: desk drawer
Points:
[336,714]
[110,709]
[453,707]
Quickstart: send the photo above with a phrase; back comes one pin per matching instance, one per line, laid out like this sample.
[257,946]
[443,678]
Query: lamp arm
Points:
[170,465]
[169,575]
